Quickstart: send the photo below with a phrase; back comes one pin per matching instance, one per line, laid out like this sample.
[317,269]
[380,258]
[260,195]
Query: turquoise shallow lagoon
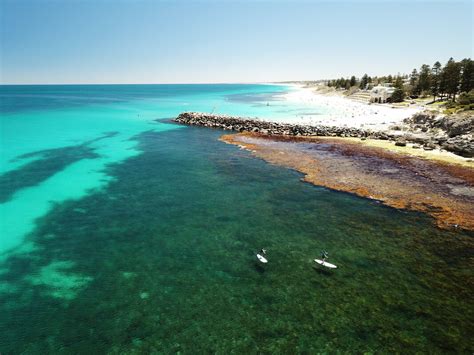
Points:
[124,234]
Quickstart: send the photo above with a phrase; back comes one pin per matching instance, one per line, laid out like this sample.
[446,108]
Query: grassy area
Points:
[438,103]
[458,108]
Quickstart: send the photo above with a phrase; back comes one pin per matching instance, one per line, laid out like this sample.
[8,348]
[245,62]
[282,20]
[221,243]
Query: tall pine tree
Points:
[452,75]
[435,79]
[467,75]
[424,78]
[413,77]
[353,81]
[398,82]
[414,82]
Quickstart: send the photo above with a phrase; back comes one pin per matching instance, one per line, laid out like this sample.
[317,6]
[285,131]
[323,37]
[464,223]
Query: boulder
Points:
[461,126]
[461,145]
[456,124]
[419,138]
[420,118]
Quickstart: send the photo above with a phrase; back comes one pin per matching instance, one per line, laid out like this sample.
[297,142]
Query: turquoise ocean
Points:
[121,232]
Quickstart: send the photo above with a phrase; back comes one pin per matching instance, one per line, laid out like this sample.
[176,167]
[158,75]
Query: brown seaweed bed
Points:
[443,190]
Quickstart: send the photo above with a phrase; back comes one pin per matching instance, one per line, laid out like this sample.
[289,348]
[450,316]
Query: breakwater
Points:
[241,124]
[419,138]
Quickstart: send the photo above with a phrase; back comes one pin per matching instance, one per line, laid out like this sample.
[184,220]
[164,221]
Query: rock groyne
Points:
[420,138]
[241,124]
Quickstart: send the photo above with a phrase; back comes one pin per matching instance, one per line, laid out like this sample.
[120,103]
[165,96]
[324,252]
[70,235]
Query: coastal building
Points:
[381,93]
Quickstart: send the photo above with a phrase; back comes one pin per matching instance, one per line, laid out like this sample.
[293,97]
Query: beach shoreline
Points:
[344,112]
[405,157]
[362,162]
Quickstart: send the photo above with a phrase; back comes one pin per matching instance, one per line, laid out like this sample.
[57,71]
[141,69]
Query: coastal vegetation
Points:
[451,84]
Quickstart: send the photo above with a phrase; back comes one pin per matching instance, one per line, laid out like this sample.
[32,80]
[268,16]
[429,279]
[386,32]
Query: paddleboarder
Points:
[323,262]
[261,256]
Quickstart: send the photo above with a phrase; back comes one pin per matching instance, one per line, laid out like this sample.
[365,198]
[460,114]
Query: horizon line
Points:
[177,83]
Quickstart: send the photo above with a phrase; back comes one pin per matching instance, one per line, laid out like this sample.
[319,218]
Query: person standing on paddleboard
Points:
[324,255]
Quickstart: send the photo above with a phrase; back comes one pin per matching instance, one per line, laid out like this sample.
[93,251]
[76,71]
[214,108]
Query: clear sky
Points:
[133,41]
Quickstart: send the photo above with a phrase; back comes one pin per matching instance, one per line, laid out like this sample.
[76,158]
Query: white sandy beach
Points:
[341,111]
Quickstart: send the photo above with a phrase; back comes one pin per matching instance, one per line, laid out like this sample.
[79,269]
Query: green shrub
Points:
[398,95]
[450,104]
[466,98]
[463,99]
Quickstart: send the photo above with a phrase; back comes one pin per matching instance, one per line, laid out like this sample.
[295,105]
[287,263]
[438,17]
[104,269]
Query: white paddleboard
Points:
[325,263]
[262,259]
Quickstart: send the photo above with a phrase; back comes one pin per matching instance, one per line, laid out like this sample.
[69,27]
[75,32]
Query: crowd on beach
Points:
[343,112]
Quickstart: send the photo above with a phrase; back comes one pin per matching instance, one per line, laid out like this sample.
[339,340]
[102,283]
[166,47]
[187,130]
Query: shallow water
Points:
[57,139]
[159,257]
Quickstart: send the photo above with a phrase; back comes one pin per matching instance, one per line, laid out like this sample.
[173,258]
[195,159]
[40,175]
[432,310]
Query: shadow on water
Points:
[46,164]
[324,271]
[259,267]
[159,262]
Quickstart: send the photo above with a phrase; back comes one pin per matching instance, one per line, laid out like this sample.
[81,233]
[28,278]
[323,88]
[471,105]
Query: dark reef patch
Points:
[47,163]
[163,262]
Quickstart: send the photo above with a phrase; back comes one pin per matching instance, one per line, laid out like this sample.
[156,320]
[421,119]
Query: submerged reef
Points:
[444,191]
[350,160]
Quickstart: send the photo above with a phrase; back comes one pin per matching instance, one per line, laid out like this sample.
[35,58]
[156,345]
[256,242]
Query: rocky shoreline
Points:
[424,130]
[403,181]
[334,157]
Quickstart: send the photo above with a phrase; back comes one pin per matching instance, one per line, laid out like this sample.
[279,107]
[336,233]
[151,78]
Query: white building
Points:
[381,93]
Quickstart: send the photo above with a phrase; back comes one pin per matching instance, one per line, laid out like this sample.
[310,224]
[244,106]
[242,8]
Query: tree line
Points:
[443,83]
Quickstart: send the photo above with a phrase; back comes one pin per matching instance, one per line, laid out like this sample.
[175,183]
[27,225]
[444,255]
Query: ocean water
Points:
[56,140]
[122,232]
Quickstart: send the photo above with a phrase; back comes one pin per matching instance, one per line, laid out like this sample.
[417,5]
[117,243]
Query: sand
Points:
[342,111]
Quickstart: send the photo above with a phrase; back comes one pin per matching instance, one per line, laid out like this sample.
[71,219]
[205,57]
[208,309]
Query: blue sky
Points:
[118,41]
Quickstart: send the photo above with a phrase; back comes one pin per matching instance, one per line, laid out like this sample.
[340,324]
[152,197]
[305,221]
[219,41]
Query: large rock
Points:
[400,142]
[456,125]
[461,145]
[419,138]
[423,118]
